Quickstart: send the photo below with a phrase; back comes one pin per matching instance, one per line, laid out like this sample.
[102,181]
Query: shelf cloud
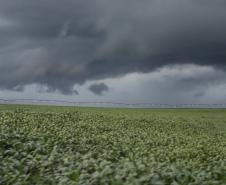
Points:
[59,44]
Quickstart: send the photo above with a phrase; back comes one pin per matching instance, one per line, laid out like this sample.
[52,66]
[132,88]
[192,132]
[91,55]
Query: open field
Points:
[67,145]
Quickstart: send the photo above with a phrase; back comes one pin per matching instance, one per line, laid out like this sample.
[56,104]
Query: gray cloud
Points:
[62,43]
[199,94]
[98,88]
[170,84]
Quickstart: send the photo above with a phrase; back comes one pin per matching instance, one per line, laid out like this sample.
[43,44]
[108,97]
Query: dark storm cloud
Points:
[199,94]
[99,88]
[61,43]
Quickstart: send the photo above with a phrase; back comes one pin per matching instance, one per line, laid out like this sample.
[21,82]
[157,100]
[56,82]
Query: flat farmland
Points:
[69,145]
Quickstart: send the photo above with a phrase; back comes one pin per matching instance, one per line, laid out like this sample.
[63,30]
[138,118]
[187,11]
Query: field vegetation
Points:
[94,146]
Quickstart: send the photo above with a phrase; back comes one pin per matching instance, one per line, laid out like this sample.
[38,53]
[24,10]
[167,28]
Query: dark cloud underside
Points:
[99,88]
[61,43]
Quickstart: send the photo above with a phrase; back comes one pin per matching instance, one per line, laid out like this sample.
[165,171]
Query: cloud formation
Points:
[173,84]
[59,43]
[99,88]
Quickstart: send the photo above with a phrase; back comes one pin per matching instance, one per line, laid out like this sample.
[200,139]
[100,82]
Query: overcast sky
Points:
[132,51]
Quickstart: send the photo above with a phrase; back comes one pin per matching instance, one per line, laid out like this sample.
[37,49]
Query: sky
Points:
[146,51]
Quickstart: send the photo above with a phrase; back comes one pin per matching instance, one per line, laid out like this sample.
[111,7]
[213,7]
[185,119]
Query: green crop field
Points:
[94,146]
